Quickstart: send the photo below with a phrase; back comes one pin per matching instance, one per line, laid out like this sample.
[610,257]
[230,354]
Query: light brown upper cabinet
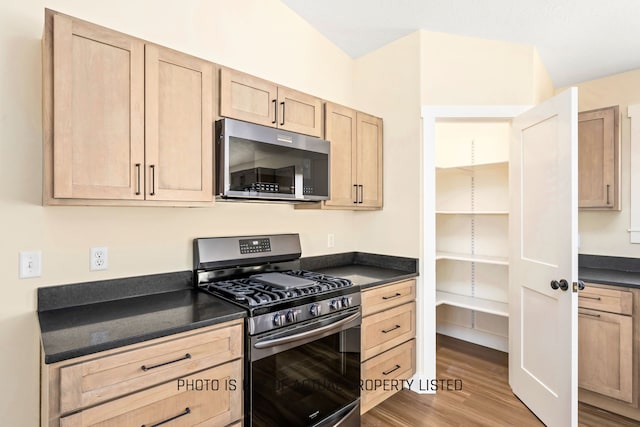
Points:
[248,98]
[599,159]
[356,158]
[125,122]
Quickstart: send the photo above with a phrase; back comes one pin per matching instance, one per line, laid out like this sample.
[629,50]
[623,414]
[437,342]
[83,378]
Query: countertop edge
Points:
[110,345]
[388,281]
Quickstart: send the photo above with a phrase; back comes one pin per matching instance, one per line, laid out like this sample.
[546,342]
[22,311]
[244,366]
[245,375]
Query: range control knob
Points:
[292,316]
[346,302]
[315,309]
[335,304]
[278,319]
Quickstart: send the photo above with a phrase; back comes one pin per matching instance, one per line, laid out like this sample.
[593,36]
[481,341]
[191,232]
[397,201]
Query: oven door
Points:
[308,374]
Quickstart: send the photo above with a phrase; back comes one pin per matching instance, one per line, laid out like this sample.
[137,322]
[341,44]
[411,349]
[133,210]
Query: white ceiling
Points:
[577,40]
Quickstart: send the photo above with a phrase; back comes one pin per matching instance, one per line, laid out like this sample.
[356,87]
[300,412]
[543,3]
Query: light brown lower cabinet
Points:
[388,341]
[608,348]
[204,398]
[192,378]
[385,374]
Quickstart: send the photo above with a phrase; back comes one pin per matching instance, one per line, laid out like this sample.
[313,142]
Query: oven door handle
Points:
[308,334]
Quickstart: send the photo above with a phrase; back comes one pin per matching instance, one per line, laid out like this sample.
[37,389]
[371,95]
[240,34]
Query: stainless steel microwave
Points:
[259,162]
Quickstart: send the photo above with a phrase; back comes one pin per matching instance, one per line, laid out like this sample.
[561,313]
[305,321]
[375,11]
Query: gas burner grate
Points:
[256,292]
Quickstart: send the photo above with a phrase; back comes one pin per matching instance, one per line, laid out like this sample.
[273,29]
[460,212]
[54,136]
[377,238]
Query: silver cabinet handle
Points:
[608,202]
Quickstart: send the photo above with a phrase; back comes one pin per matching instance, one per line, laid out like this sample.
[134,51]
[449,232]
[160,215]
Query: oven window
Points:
[304,385]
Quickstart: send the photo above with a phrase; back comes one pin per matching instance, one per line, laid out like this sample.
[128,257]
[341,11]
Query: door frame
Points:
[426,301]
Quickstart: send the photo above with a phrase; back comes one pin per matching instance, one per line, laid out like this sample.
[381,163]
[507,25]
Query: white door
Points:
[543,322]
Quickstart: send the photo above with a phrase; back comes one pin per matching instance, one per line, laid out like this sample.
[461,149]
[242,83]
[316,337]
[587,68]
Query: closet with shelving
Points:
[472,229]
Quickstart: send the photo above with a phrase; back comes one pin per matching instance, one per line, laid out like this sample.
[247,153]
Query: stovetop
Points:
[268,288]
[262,275]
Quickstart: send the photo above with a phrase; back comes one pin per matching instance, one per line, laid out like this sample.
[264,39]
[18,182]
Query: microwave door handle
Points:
[308,334]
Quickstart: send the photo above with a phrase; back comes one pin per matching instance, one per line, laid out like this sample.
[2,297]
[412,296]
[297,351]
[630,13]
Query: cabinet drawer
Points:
[97,380]
[382,375]
[384,297]
[214,398]
[384,330]
[611,300]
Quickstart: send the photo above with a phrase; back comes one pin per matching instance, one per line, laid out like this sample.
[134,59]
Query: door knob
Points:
[559,284]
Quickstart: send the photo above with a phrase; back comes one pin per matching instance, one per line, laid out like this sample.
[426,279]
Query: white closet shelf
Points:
[472,303]
[471,168]
[472,212]
[485,259]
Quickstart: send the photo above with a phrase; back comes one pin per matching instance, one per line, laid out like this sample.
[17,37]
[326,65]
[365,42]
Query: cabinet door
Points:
[247,98]
[98,112]
[369,161]
[212,398]
[605,345]
[598,158]
[179,123]
[299,112]
[341,133]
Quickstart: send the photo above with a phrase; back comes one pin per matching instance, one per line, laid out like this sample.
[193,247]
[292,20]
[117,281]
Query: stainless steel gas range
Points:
[302,346]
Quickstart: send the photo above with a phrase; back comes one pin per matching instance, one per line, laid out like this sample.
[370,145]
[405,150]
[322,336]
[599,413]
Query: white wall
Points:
[459,70]
[387,83]
[262,37]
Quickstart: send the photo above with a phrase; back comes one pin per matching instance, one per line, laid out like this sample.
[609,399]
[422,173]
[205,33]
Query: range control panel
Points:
[255,246]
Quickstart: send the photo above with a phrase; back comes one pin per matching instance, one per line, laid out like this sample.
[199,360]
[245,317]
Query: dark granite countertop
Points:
[363,269]
[74,321]
[608,270]
[80,319]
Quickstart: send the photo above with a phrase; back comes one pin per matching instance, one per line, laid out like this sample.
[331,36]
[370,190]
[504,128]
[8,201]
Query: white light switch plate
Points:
[30,264]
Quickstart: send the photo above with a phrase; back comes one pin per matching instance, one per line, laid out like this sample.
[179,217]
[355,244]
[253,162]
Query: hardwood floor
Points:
[485,398]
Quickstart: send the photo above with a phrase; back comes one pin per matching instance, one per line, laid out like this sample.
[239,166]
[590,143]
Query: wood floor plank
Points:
[485,399]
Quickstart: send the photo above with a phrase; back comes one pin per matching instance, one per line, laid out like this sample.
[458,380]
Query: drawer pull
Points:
[386,331]
[588,297]
[395,368]
[186,411]
[147,368]
[588,314]
[398,294]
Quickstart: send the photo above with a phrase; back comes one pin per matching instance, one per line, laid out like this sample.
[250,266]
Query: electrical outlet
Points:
[331,240]
[99,258]
[30,264]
